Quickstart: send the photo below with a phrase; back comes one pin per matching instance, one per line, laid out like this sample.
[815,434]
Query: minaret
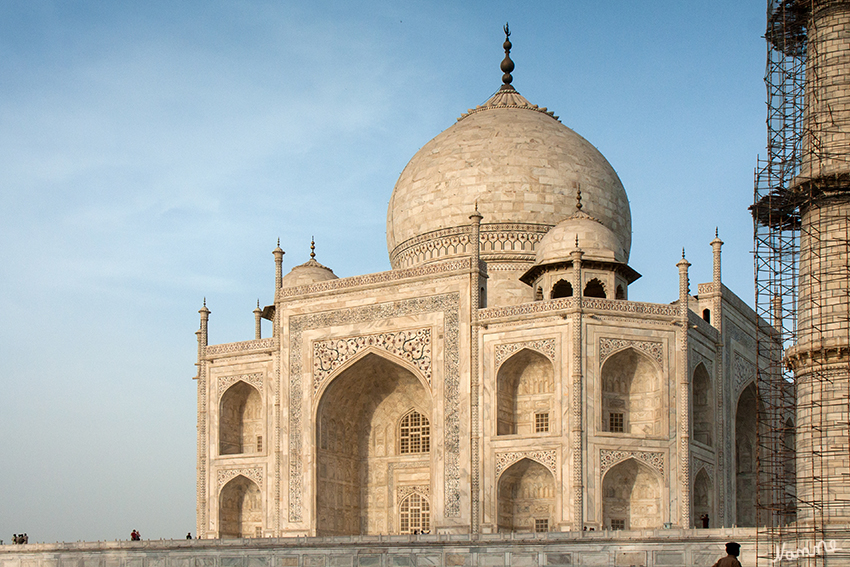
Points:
[821,357]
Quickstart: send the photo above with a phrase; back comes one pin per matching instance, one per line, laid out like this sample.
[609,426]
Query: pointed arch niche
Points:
[631,497]
[240,426]
[745,457]
[703,498]
[702,397]
[240,509]
[358,422]
[526,497]
[631,394]
[525,385]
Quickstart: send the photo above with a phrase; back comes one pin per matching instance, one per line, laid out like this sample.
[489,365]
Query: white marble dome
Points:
[597,241]
[518,162]
[309,272]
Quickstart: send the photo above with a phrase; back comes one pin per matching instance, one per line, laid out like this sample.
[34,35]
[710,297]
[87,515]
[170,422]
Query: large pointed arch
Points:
[746,445]
[240,424]
[702,402]
[703,498]
[525,386]
[240,509]
[526,497]
[357,425]
[631,394]
[631,496]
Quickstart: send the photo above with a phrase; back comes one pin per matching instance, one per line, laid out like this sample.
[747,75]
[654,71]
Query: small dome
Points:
[596,241]
[308,273]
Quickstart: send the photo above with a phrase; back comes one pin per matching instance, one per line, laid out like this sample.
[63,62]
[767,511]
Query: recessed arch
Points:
[631,496]
[562,288]
[631,394]
[414,514]
[746,425]
[357,417]
[702,402]
[703,498]
[240,509]
[240,426]
[526,497]
[525,386]
[366,352]
[595,288]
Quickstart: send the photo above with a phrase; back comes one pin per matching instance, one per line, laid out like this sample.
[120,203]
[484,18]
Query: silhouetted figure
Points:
[135,536]
[731,560]
[704,519]
[189,535]
[26,538]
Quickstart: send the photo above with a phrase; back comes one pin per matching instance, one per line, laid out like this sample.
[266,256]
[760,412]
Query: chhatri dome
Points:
[521,166]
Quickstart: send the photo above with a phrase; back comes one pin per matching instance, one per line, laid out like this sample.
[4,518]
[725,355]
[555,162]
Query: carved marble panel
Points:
[255,379]
[412,346]
[608,459]
[449,305]
[544,346]
[252,473]
[546,458]
[655,349]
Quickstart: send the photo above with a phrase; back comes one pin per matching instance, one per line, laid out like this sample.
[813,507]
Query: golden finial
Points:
[312,248]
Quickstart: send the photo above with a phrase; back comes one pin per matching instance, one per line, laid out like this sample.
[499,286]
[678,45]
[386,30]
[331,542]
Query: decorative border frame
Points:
[412,346]
[546,347]
[610,345]
[252,473]
[254,379]
[608,459]
[449,305]
[548,459]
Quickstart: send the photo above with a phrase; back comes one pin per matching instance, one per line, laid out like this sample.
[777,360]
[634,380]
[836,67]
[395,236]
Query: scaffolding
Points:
[802,281]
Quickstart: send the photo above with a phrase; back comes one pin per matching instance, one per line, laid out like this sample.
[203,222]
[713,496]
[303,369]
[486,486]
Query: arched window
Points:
[414,435]
[703,406]
[240,420]
[621,293]
[706,315]
[562,289]
[631,394]
[631,497]
[594,288]
[240,509]
[526,497]
[414,515]
[525,386]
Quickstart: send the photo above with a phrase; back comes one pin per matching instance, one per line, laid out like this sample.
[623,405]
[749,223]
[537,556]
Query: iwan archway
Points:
[373,445]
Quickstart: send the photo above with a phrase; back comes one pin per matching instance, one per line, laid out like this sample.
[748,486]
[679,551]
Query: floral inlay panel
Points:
[545,346]
[253,473]
[608,459]
[412,346]
[546,458]
[655,349]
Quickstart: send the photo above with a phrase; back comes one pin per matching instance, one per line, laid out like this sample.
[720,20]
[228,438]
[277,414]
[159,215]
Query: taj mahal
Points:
[498,378]
[496,398]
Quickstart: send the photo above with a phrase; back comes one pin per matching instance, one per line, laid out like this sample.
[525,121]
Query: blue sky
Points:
[151,153]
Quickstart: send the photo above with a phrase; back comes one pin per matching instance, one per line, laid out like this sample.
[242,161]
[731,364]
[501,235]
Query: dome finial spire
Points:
[507,65]
[312,248]
[578,198]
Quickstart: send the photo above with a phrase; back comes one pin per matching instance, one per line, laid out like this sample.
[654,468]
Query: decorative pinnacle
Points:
[507,65]
[683,252]
[578,198]
[576,240]
[312,248]
[716,233]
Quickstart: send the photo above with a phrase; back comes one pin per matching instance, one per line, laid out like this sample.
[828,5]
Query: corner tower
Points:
[802,238]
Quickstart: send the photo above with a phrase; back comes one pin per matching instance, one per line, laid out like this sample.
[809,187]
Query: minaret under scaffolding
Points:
[802,246]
